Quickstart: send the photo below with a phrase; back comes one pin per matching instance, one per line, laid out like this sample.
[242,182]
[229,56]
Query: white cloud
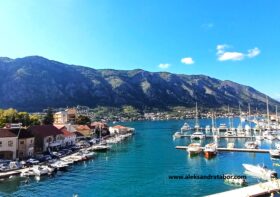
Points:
[253,52]
[164,66]
[224,55]
[187,60]
[234,56]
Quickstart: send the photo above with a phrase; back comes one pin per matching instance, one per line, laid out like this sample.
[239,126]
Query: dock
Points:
[211,136]
[260,189]
[232,149]
[10,173]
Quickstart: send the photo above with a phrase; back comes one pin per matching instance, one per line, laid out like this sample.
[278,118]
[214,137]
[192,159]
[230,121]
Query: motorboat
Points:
[197,136]
[185,127]
[40,170]
[274,153]
[251,145]
[210,150]
[59,165]
[223,127]
[230,145]
[100,147]
[231,179]
[229,133]
[177,135]
[27,172]
[194,148]
[87,154]
[260,171]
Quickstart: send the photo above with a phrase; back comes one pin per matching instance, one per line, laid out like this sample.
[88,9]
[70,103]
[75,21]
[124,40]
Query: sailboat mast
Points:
[267,110]
[276,117]
[196,116]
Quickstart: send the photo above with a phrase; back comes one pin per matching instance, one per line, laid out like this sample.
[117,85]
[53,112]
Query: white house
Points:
[8,144]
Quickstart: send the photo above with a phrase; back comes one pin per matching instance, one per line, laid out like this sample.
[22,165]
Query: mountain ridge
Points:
[33,83]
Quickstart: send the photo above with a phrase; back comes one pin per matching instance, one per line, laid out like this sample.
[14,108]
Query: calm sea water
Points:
[140,166]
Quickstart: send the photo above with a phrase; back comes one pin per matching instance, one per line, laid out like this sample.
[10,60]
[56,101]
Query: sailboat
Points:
[250,144]
[196,126]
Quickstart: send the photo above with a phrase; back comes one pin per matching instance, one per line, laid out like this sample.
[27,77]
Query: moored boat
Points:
[194,148]
[197,135]
[210,150]
[251,145]
[260,171]
[274,153]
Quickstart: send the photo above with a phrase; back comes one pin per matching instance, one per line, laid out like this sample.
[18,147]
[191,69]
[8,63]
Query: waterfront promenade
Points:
[260,189]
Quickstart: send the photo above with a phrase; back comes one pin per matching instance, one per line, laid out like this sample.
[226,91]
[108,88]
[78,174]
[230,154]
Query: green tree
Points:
[83,120]
[48,118]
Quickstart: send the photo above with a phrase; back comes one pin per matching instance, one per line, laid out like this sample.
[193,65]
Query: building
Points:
[60,117]
[8,144]
[46,137]
[84,130]
[69,137]
[25,143]
[119,129]
[71,115]
[100,129]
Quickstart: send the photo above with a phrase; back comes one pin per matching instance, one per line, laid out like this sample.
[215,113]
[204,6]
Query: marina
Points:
[151,150]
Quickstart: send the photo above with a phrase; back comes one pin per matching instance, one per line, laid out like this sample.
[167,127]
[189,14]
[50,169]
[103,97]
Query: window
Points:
[0,143]
[10,143]
[21,142]
[31,141]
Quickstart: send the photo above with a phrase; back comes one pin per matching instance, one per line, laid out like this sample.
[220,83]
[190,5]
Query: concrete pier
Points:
[232,149]
[260,189]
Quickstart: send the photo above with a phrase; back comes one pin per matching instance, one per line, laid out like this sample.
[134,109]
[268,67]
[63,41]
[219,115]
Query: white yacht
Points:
[197,136]
[251,145]
[274,153]
[259,137]
[223,127]
[42,170]
[177,135]
[229,133]
[194,148]
[210,150]
[186,127]
[260,171]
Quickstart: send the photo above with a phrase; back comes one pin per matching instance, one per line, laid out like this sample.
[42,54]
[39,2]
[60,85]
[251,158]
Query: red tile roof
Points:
[6,133]
[67,133]
[44,130]
[119,127]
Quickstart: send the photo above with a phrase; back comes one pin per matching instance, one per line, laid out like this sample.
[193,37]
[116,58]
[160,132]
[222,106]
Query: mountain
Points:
[34,83]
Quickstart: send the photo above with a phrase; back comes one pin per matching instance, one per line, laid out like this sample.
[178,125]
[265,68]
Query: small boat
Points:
[197,136]
[87,154]
[251,145]
[186,127]
[42,170]
[274,153]
[100,148]
[230,145]
[210,150]
[229,133]
[223,127]
[59,165]
[28,172]
[177,135]
[260,171]
[230,179]
[194,148]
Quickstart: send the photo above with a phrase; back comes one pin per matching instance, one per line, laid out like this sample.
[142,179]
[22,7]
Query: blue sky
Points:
[236,40]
